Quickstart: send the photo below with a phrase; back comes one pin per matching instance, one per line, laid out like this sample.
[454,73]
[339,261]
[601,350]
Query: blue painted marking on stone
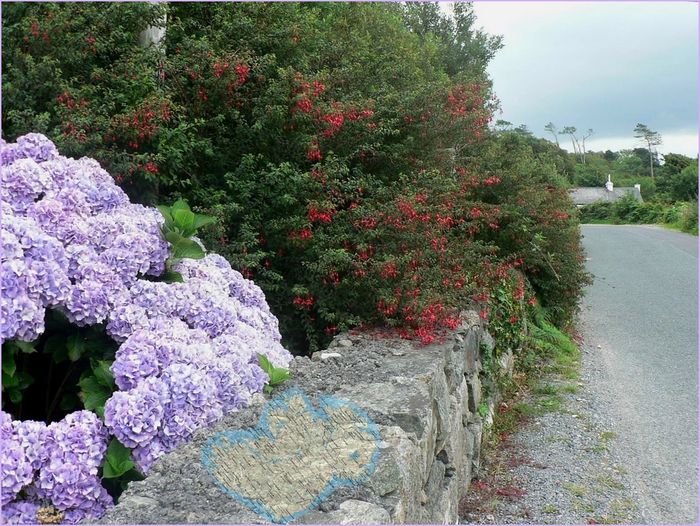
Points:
[247,436]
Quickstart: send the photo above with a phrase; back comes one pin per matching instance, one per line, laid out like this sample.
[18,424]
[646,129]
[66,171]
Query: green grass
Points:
[545,389]
[576,490]
[610,482]
[550,508]
[606,436]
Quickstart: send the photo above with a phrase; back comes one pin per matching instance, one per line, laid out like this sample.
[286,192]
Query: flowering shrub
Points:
[78,256]
[358,184]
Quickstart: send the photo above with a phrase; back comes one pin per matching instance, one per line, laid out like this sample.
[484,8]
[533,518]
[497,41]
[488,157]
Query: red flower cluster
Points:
[320,216]
[304,302]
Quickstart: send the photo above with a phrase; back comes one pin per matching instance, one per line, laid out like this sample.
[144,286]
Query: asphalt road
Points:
[642,310]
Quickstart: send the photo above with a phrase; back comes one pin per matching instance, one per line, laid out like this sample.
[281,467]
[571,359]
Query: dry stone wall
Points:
[424,401]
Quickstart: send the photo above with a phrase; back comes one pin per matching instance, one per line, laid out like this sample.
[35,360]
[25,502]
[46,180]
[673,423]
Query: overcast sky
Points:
[605,66]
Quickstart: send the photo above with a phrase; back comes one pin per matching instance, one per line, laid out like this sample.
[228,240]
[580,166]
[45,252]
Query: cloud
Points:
[605,66]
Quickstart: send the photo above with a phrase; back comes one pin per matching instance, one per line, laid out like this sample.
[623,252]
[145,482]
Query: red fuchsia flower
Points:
[202,94]
[319,88]
[475,213]
[242,70]
[304,105]
[513,320]
[389,270]
[492,180]
[532,301]
[371,125]
[220,68]
[304,302]
[331,330]
[519,292]
[151,167]
[246,273]
[425,335]
[444,221]
[561,215]
[320,216]
[494,226]
[305,233]
[482,297]
[314,154]
[484,314]
[387,310]
[366,223]
[451,323]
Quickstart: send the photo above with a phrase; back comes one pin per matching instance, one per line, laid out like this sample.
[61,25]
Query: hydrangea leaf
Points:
[117,461]
[103,374]
[76,347]
[56,346]
[8,364]
[202,220]
[94,394]
[187,248]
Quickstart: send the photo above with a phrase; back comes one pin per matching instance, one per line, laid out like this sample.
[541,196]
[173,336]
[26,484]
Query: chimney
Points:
[609,184]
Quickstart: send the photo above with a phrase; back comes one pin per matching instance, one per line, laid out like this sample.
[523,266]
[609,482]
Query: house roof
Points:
[586,196]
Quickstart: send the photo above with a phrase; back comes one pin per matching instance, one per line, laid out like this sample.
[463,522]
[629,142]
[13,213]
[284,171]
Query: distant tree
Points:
[684,186]
[651,139]
[610,156]
[571,132]
[583,144]
[551,128]
[578,144]
[674,163]
[503,125]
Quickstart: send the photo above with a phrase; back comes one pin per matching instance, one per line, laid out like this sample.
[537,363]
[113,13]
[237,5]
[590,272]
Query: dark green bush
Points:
[343,148]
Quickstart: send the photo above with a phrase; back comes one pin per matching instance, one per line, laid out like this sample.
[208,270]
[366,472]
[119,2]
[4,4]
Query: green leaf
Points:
[15,395]
[9,381]
[202,220]
[180,204]
[172,237]
[187,248]
[104,375]
[94,394]
[26,347]
[117,461]
[165,212]
[24,380]
[170,276]
[184,220]
[56,347]
[69,402]
[75,344]
[8,363]
[265,363]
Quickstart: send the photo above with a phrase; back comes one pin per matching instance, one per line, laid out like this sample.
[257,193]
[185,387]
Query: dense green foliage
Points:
[343,148]
[680,215]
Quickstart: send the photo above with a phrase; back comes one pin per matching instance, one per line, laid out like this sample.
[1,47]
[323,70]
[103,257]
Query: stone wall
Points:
[425,401]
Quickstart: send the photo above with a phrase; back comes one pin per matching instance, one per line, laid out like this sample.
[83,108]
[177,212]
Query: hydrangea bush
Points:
[187,351]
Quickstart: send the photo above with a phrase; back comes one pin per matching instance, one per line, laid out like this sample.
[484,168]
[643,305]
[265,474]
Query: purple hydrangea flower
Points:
[188,351]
